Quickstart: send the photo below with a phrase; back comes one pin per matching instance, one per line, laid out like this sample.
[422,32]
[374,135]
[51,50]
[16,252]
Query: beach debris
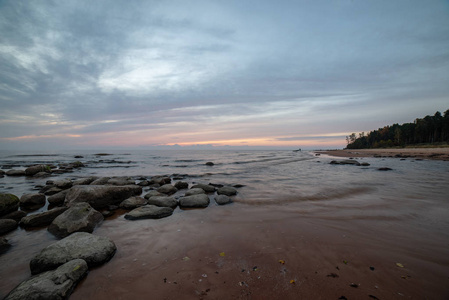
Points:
[282,262]
[399,265]
[342,298]
[292,281]
[345,262]
[354,285]
[204,275]
[333,275]
[186,258]
[255,268]
[242,283]
[222,254]
[371,268]
[373,297]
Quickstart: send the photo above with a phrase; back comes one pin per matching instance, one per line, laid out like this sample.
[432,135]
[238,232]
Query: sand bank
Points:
[420,153]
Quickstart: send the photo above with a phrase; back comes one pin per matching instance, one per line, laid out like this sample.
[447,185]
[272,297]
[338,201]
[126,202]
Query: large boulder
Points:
[7,225]
[194,191]
[222,199]
[99,196]
[51,285]
[28,200]
[133,202]
[167,189]
[8,203]
[149,212]
[36,169]
[94,249]
[194,201]
[206,187]
[79,217]
[163,201]
[14,172]
[227,190]
[42,219]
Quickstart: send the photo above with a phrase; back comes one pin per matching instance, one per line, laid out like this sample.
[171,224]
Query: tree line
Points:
[428,130]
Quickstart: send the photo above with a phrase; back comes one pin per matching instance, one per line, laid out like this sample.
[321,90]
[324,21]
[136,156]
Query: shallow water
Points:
[403,213]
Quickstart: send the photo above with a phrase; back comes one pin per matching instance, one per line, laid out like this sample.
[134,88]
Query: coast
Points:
[419,153]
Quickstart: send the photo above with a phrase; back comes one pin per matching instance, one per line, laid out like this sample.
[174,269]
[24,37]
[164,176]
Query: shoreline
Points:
[417,153]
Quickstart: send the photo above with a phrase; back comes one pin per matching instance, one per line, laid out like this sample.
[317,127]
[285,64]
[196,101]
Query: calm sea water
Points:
[408,202]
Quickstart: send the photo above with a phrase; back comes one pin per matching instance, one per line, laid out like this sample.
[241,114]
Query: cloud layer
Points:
[257,73]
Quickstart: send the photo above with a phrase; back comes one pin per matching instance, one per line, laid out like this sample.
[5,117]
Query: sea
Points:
[409,201]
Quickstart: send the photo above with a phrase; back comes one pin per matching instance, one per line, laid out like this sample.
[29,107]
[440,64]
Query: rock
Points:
[167,189]
[52,191]
[4,245]
[8,203]
[42,174]
[15,215]
[51,285]
[63,184]
[94,249]
[100,181]
[144,183]
[107,213]
[121,181]
[149,212]
[85,181]
[209,163]
[161,180]
[58,198]
[133,202]
[43,218]
[180,185]
[227,190]
[365,164]
[345,162]
[78,156]
[2,172]
[28,200]
[16,172]
[384,169]
[222,199]
[207,188]
[36,169]
[99,196]
[80,217]
[152,193]
[7,225]
[163,201]
[194,191]
[194,201]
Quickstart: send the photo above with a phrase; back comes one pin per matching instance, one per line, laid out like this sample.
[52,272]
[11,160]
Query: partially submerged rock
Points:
[43,218]
[99,196]
[163,201]
[79,217]
[95,250]
[227,190]
[194,201]
[149,212]
[180,185]
[222,199]
[100,181]
[85,181]
[32,200]
[14,172]
[120,181]
[15,215]
[58,198]
[57,284]
[7,225]
[167,189]
[133,202]
[36,169]
[152,193]
[345,162]
[206,187]
[194,191]
[8,203]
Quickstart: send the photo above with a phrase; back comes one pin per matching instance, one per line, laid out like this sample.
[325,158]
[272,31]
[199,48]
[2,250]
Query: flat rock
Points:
[194,191]
[42,219]
[222,199]
[94,249]
[79,217]
[167,189]
[194,201]
[14,172]
[99,196]
[56,284]
[7,225]
[149,212]
[133,202]
[345,162]
[32,200]
[163,201]
[51,285]
[227,190]
[8,203]
[206,187]
[384,169]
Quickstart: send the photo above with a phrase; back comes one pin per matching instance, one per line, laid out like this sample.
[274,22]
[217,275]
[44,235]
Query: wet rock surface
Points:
[42,219]
[194,201]
[149,212]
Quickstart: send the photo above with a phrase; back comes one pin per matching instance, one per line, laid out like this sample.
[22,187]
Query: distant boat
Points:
[299,150]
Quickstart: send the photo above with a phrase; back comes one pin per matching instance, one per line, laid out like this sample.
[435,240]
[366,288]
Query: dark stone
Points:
[222,199]
[152,193]
[85,181]
[43,218]
[149,212]
[28,200]
[194,201]
[52,191]
[206,187]
[384,169]
[15,215]
[194,191]
[58,198]
[100,181]
[133,202]
[8,203]
[227,190]
[15,172]
[209,163]
[180,185]
[121,181]
[7,225]
[95,250]
[167,189]
[163,201]
[36,169]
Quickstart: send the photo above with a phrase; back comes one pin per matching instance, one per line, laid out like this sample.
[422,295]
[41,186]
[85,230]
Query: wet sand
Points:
[243,252]
[420,153]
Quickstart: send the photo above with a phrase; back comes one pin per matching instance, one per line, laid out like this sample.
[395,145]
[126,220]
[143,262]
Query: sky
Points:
[80,74]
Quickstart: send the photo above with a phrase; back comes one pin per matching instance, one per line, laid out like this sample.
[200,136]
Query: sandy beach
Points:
[419,153]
